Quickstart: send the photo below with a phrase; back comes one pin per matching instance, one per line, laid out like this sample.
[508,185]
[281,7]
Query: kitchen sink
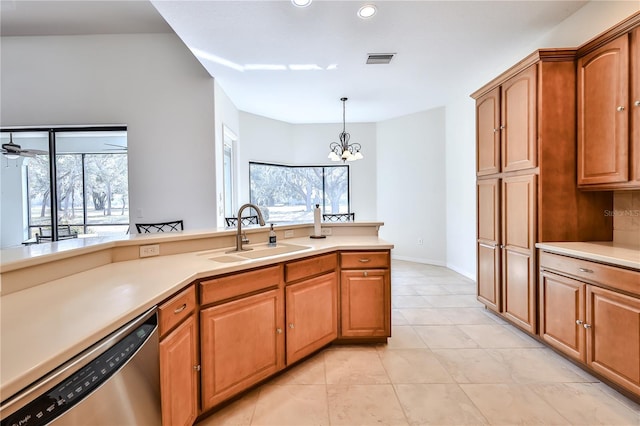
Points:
[258,251]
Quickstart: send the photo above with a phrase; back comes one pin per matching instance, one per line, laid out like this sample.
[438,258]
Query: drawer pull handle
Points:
[364,260]
[578,322]
[588,271]
[180,309]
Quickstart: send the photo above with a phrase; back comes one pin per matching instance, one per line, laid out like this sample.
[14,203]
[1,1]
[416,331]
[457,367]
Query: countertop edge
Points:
[605,252]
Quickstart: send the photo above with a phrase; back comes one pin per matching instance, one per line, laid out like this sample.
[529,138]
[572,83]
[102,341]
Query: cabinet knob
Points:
[579,322]
[196,367]
[586,325]
[366,273]
[502,127]
[180,309]
[495,130]
[290,325]
[620,108]
[637,103]
[279,330]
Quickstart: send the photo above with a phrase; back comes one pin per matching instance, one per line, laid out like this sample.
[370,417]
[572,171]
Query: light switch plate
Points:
[326,231]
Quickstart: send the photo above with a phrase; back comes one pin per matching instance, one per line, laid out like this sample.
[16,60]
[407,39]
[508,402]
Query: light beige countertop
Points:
[47,324]
[598,251]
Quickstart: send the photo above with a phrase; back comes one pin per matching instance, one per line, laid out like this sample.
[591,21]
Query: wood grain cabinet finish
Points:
[488,133]
[179,365]
[312,315]
[609,113]
[585,313]
[365,295]
[603,114]
[562,314]
[489,252]
[532,196]
[179,374]
[613,336]
[518,257]
[242,343]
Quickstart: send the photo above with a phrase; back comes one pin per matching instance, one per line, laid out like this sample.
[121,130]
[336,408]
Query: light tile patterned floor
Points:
[449,362]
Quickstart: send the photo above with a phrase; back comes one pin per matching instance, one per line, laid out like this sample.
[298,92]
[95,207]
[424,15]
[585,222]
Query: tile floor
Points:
[449,362]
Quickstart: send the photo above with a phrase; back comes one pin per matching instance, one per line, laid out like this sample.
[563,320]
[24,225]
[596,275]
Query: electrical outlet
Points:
[150,250]
[420,241]
[288,233]
[326,231]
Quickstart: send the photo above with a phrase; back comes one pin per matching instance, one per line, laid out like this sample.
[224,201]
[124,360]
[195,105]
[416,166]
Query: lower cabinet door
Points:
[365,304]
[179,374]
[242,343]
[312,315]
[613,336]
[562,314]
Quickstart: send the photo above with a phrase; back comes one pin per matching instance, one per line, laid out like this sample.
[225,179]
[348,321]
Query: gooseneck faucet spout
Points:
[239,236]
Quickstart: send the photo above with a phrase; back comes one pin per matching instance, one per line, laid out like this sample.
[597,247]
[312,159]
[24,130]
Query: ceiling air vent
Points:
[380,58]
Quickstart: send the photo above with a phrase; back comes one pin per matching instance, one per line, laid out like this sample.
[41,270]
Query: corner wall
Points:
[149,82]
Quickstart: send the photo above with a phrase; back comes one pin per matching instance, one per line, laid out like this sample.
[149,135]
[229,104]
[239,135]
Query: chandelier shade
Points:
[343,150]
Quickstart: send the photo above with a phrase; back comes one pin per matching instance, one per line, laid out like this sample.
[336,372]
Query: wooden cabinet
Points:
[179,366]
[311,305]
[530,194]
[241,331]
[609,112]
[585,313]
[613,336]
[242,342]
[562,313]
[312,315]
[365,295]
[489,252]
[518,252]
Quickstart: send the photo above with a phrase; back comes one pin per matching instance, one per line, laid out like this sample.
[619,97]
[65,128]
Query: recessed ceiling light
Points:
[301,3]
[367,11]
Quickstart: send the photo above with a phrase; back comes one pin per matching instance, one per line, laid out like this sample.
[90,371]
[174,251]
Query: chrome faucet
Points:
[240,238]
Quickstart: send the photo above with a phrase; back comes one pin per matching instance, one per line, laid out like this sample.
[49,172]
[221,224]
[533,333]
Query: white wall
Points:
[411,185]
[266,140]
[149,82]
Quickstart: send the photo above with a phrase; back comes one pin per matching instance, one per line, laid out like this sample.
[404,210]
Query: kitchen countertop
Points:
[598,251]
[45,325]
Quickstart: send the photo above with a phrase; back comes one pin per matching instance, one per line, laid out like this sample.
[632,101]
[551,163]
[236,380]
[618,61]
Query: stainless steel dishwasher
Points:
[114,382]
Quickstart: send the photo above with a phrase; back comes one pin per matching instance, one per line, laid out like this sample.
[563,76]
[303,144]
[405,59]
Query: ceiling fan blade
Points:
[35,152]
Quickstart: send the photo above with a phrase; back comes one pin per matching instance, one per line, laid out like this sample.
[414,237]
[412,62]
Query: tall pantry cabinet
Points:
[526,187]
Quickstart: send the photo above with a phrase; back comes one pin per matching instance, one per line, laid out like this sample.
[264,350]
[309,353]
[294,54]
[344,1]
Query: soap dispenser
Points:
[272,237]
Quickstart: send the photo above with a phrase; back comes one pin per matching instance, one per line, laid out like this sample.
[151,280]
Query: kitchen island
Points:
[60,298]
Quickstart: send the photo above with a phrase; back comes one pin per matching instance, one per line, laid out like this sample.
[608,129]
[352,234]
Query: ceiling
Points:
[255,49]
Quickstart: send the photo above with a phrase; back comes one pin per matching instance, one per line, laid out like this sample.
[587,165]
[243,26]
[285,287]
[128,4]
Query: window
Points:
[289,193]
[228,171]
[89,191]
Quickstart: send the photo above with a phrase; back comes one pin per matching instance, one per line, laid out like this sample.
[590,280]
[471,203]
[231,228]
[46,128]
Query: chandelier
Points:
[343,150]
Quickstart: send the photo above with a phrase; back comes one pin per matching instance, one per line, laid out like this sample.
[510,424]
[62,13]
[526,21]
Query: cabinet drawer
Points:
[294,271]
[609,276]
[364,259]
[231,286]
[172,312]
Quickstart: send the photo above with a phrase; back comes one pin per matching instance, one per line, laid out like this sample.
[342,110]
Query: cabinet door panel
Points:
[240,345]
[365,303]
[488,210]
[519,207]
[603,77]
[518,110]
[488,133]
[178,374]
[519,289]
[614,336]
[635,106]
[312,315]
[562,314]
[489,291]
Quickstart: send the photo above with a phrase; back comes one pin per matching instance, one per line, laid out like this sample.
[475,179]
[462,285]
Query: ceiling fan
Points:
[13,151]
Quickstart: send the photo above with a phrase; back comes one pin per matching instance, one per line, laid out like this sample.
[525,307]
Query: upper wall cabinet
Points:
[506,125]
[608,114]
